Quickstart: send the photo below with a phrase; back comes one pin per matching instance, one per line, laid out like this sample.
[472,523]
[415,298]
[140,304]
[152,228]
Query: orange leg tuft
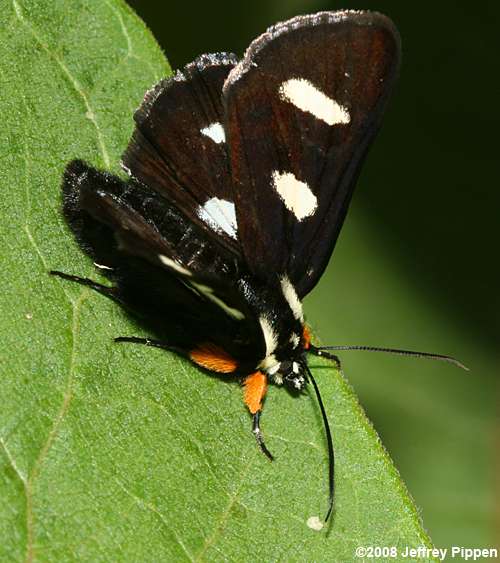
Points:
[213,358]
[255,391]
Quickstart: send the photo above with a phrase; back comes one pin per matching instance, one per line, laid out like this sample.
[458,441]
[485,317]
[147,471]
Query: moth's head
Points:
[289,373]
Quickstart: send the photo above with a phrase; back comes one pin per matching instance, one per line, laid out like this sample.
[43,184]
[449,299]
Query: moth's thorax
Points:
[279,311]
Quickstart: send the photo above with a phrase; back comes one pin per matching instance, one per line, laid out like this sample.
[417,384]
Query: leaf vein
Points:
[152,508]
[71,79]
[63,410]
[27,216]
[130,50]
[123,28]
[224,516]
[12,462]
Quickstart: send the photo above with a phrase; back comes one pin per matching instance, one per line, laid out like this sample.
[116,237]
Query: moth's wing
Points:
[301,110]
[144,224]
[167,269]
[179,147]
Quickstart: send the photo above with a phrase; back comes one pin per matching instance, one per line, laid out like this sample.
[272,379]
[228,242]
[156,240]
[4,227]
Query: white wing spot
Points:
[219,215]
[292,298]
[174,265]
[306,97]
[296,195]
[215,131]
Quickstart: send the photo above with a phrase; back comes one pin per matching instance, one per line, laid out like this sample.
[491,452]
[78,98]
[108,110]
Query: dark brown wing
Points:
[179,148]
[301,110]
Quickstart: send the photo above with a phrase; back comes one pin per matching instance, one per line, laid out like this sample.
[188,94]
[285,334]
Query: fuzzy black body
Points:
[124,227]
[240,176]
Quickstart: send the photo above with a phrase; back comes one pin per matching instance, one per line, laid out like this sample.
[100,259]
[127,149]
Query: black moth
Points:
[240,176]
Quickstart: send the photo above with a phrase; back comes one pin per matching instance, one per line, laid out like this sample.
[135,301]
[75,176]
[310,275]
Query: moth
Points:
[240,173]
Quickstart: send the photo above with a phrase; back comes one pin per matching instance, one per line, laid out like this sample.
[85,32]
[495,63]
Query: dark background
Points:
[417,263]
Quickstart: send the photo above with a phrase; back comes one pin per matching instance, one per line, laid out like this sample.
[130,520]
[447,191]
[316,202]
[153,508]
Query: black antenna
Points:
[331,454]
[318,351]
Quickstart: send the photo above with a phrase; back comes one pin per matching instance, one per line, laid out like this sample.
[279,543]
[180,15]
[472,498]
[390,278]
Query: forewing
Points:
[144,224]
[301,110]
[179,146]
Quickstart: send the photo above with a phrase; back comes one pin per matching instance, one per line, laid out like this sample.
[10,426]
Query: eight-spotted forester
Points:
[240,176]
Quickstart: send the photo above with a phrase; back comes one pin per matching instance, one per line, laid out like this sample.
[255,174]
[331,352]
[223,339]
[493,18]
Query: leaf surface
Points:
[111,452]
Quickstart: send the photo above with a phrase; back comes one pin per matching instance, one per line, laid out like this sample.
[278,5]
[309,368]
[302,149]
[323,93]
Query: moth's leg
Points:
[146,341]
[100,288]
[322,354]
[255,391]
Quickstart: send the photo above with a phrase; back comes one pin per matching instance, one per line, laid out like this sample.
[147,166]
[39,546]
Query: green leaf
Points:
[127,453]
